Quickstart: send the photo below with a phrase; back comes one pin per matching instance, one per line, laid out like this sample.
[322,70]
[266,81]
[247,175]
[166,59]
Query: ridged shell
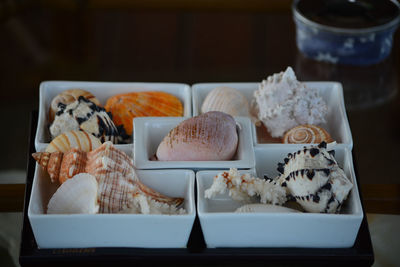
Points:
[119,186]
[77,195]
[306,133]
[264,208]
[314,179]
[51,162]
[209,136]
[67,97]
[87,116]
[125,107]
[228,100]
[78,139]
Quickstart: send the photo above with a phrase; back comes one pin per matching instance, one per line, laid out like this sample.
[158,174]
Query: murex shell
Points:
[119,187]
[84,115]
[209,136]
[125,107]
[67,97]
[314,179]
[310,176]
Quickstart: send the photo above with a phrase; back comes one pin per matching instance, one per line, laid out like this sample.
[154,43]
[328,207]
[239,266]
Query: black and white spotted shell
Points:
[314,179]
[84,115]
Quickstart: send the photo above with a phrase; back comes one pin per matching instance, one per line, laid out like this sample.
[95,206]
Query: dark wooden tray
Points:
[196,252]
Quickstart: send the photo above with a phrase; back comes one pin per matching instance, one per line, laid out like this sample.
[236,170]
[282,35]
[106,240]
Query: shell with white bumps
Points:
[282,102]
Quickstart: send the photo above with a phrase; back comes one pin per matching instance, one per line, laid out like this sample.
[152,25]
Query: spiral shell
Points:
[78,139]
[67,97]
[305,134]
[119,188]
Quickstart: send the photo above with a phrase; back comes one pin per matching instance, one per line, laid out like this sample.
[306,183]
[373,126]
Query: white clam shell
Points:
[228,100]
[264,208]
[76,195]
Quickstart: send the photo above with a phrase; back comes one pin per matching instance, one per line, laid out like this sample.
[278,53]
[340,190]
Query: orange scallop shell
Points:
[125,107]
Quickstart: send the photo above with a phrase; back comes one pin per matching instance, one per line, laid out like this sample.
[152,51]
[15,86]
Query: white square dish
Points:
[150,131]
[331,92]
[102,91]
[115,230]
[222,227]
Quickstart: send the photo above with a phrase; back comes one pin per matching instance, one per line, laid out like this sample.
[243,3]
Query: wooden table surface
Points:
[201,41]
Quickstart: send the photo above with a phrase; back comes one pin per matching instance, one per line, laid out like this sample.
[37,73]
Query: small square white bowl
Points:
[150,131]
[102,91]
[336,124]
[222,227]
[115,230]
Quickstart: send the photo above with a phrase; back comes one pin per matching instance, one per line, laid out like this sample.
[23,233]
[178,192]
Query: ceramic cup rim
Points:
[352,31]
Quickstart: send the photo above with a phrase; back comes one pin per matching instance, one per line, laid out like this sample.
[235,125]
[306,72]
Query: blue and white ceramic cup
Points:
[344,45]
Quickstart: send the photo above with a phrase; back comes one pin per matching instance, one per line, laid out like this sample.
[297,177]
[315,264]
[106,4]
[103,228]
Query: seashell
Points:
[125,107]
[228,100]
[282,102]
[78,139]
[209,136]
[87,116]
[77,195]
[67,97]
[306,133]
[119,187]
[310,176]
[51,162]
[314,179]
[264,208]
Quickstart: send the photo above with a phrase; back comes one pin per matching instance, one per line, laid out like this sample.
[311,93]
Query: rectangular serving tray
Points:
[196,252]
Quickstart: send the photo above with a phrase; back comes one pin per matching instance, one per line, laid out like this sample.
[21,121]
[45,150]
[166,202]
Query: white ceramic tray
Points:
[102,91]
[222,227]
[115,230]
[332,92]
[150,131]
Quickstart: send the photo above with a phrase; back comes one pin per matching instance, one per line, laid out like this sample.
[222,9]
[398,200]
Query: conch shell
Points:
[125,107]
[78,139]
[119,186]
[67,97]
[306,133]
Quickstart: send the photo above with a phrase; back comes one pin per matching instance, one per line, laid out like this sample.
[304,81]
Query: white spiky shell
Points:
[78,139]
[264,208]
[226,99]
[76,195]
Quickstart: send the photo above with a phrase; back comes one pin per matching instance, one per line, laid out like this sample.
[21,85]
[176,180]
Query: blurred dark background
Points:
[174,41]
